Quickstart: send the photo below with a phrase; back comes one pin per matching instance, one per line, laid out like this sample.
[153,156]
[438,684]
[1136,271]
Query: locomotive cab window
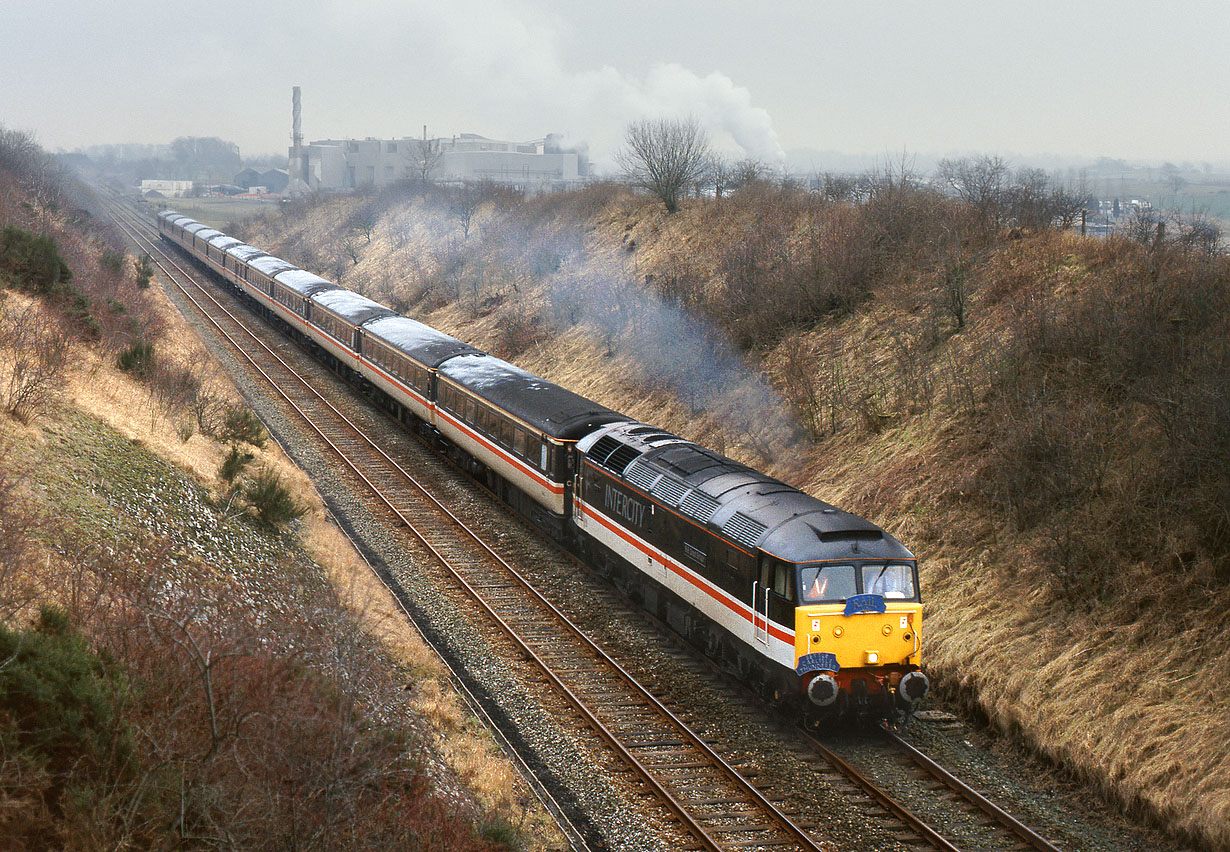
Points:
[893,581]
[827,583]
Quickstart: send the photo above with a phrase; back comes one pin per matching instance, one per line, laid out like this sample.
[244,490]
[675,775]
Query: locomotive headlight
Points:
[838,630]
[872,658]
[887,629]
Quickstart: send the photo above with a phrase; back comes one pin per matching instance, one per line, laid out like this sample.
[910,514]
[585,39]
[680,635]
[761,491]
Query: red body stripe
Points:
[720,597]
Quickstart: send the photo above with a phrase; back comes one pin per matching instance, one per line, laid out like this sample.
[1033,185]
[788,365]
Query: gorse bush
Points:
[61,705]
[144,270]
[137,359]
[240,424]
[31,262]
[112,261]
[234,463]
[270,500]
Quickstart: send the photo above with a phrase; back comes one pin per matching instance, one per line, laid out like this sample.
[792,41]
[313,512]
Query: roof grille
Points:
[743,529]
[639,476]
[602,448]
[699,505]
[622,457]
[669,490]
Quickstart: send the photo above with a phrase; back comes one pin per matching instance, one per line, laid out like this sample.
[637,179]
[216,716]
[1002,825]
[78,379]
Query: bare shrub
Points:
[37,350]
[244,726]
[19,520]
[519,331]
[209,405]
[800,385]
[1127,378]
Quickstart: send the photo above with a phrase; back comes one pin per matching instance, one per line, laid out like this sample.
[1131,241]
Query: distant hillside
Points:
[1043,418]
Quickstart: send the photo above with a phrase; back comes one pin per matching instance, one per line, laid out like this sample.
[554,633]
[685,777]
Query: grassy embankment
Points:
[187,662]
[1042,418]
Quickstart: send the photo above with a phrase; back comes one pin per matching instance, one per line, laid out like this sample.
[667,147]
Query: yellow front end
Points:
[864,640]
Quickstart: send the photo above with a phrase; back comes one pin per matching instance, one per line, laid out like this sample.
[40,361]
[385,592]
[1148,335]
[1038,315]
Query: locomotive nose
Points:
[822,690]
[913,687]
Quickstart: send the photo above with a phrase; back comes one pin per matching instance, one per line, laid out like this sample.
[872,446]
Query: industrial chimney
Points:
[296,120]
[297,168]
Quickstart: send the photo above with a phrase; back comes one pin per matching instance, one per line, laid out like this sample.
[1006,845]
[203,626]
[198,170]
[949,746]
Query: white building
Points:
[167,188]
[338,165]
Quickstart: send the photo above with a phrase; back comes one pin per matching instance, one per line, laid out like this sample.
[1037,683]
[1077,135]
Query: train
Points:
[808,604]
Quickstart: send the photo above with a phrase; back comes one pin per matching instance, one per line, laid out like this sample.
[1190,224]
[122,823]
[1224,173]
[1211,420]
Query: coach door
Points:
[578,496]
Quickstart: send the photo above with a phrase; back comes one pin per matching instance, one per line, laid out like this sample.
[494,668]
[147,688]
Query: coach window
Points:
[506,432]
[471,412]
[519,441]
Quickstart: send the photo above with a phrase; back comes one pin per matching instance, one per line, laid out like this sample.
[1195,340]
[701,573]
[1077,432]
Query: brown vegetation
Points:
[187,681]
[1040,416]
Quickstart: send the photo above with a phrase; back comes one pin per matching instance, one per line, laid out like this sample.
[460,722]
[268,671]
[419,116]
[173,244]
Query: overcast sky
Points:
[1139,79]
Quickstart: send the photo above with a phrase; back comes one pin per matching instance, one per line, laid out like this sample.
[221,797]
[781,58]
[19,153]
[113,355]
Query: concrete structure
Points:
[339,165]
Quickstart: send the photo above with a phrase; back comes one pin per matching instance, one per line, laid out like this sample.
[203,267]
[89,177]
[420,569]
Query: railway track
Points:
[710,797]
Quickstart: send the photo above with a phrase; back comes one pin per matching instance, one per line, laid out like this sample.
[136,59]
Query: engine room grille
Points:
[743,529]
[602,448]
[622,457]
[699,505]
[669,490]
[640,477]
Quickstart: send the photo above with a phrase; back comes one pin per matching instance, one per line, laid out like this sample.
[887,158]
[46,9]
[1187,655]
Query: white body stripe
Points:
[713,602]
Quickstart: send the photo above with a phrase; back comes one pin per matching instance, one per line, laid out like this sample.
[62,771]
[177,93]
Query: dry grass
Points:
[1126,692]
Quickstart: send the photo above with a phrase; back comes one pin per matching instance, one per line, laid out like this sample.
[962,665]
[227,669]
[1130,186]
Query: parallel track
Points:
[710,799]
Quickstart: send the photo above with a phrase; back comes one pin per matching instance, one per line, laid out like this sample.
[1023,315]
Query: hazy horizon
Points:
[1052,82]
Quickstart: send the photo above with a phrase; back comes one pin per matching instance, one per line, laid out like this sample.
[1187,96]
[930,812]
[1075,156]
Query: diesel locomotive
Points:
[803,601]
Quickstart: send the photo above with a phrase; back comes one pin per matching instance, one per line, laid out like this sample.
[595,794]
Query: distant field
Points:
[218,212]
[1207,194]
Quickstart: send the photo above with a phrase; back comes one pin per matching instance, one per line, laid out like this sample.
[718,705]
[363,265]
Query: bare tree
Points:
[980,182]
[463,204]
[718,173]
[424,155]
[748,171]
[664,156]
[1067,204]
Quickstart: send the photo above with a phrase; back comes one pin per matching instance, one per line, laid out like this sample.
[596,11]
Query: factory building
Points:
[339,165]
[343,165]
